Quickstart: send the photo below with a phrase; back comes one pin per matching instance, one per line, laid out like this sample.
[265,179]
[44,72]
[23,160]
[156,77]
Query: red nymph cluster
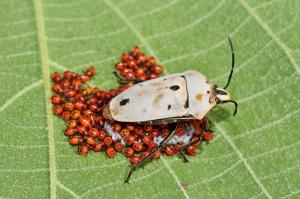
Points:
[82,108]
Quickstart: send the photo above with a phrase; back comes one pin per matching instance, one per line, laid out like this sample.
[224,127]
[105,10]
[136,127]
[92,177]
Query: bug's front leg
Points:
[199,126]
[142,162]
[205,126]
[184,147]
[181,153]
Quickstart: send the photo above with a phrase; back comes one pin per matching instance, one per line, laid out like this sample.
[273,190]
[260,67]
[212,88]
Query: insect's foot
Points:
[127,179]
[185,160]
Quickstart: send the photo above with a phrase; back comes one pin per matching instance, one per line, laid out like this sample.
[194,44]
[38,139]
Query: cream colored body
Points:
[179,95]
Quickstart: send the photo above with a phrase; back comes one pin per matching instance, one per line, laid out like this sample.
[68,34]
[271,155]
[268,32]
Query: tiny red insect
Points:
[55,99]
[84,149]
[134,159]
[57,110]
[110,152]
[108,140]
[118,147]
[129,152]
[98,146]
[137,146]
[74,140]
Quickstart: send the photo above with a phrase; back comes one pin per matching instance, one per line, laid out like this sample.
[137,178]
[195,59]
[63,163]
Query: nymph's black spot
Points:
[175,87]
[208,92]
[124,102]
[207,81]
[169,106]
[164,79]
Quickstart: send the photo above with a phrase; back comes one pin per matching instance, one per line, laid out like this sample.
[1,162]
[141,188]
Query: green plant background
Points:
[254,155]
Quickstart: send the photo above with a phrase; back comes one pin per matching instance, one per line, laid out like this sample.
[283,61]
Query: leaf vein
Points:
[172,172]
[224,172]
[267,29]
[243,159]
[45,74]
[191,25]
[20,93]
[66,189]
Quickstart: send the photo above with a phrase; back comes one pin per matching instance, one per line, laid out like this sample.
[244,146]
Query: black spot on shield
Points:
[175,87]
[124,102]
[169,106]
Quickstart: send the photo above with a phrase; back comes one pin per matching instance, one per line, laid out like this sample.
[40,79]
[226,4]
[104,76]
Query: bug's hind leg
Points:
[142,162]
[123,80]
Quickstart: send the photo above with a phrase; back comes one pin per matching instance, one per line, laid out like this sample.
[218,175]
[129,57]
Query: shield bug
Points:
[177,97]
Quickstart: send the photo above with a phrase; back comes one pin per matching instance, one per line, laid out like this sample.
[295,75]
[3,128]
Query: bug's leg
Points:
[181,153]
[123,80]
[205,125]
[120,79]
[197,126]
[184,147]
[142,162]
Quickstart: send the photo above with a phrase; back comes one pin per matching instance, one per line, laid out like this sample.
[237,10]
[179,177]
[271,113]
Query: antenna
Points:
[235,104]
[232,63]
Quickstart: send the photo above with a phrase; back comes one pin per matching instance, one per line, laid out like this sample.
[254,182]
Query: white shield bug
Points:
[181,96]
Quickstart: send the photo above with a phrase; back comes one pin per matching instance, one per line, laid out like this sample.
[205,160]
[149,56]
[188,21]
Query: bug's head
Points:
[222,96]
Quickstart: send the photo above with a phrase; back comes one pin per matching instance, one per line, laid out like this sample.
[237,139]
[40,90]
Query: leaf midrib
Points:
[43,49]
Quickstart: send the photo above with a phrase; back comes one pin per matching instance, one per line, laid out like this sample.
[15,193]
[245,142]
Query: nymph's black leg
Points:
[205,126]
[124,80]
[184,147]
[142,162]
[181,153]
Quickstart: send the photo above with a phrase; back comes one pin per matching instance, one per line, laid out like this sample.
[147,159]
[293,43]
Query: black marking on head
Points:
[207,81]
[169,107]
[174,87]
[220,92]
[164,79]
[208,92]
[124,102]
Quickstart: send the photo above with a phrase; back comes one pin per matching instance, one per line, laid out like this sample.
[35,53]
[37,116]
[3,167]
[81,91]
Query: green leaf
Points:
[254,155]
